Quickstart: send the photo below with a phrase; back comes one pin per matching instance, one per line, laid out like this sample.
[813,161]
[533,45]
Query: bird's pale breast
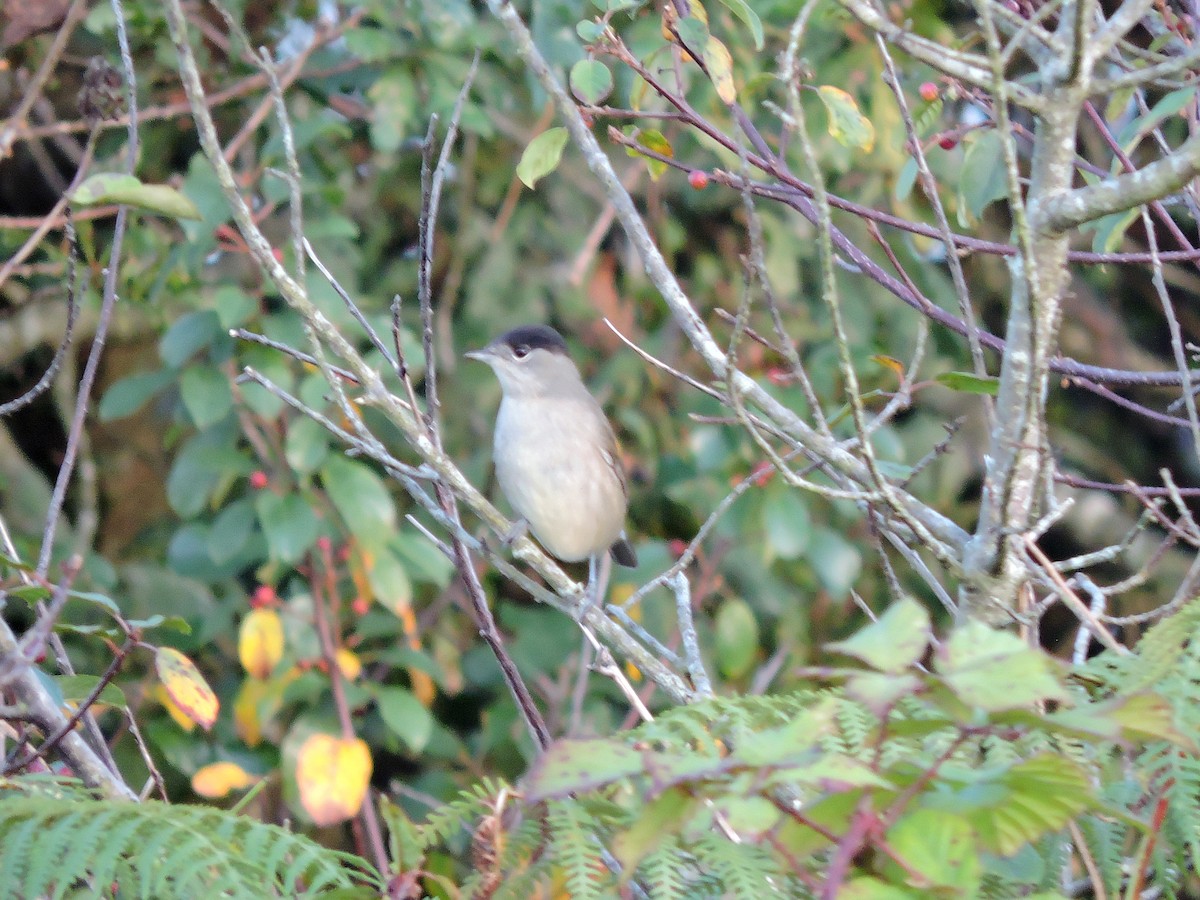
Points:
[552,465]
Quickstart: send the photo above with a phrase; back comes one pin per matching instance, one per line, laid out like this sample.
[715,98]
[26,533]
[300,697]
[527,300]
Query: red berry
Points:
[264,595]
[947,143]
[928,91]
[278,254]
[778,376]
[324,544]
[763,472]
[259,480]
[677,547]
[698,179]
[359,605]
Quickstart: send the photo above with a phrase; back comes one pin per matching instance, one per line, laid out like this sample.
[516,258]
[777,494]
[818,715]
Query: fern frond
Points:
[1157,653]
[1105,842]
[446,821]
[576,849]
[157,850]
[746,870]
[662,872]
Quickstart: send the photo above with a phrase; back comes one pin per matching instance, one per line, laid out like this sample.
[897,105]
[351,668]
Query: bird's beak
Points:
[483,355]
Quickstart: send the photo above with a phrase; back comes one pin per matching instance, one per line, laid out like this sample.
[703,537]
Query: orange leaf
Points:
[187,687]
[218,779]
[260,642]
[333,774]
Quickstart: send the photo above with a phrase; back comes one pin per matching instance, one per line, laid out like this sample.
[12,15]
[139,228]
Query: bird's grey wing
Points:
[609,451]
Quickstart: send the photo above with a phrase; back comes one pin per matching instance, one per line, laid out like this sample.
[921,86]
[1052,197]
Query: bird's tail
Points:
[622,551]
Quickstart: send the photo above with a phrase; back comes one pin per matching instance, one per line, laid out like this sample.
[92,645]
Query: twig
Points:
[678,584]
[1077,606]
[74,15]
[84,708]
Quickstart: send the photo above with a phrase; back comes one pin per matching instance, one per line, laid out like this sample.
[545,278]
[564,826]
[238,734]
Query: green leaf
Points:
[1110,230]
[997,671]
[112,187]
[847,125]
[1043,794]
[874,889]
[786,522]
[591,80]
[660,818]
[836,561]
[274,367]
[1135,717]
[361,497]
[289,523]
[206,393]
[692,31]
[736,638]
[388,578]
[907,178]
[749,17]
[233,306]
[589,31]
[393,99]
[306,445]
[77,688]
[373,45]
[127,396]
[894,643]
[968,383]
[984,177]
[542,155]
[403,713]
[940,847]
[575,765]
[202,463]
[187,335]
[1170,104]
[230,531]
[879,691]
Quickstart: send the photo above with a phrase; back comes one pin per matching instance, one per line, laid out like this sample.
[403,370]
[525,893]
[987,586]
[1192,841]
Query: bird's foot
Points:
[591,593]
[519,529]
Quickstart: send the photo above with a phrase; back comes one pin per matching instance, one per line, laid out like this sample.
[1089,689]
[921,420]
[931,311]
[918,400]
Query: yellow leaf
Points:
[889,362]
[348,663]
[655,140]
[187,687]
[218,779]
[247,720]
[720,69]
[847,125]
[160,694]
[333,775]
[260,642]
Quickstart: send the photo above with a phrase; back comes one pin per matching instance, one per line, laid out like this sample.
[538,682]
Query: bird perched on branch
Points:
[555,454]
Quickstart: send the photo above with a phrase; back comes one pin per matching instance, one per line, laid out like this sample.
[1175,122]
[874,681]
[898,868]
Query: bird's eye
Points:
[521,351]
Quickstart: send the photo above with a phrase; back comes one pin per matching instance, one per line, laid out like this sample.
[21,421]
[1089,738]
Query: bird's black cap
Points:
[534,337]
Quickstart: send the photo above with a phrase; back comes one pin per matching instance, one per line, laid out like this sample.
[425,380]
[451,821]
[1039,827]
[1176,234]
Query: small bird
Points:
[555,453]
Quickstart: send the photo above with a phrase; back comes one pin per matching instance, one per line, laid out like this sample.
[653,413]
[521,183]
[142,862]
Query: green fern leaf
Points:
[575,848]
[156,850]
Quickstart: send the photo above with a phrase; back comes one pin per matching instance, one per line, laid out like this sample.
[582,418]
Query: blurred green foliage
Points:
[247,493]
